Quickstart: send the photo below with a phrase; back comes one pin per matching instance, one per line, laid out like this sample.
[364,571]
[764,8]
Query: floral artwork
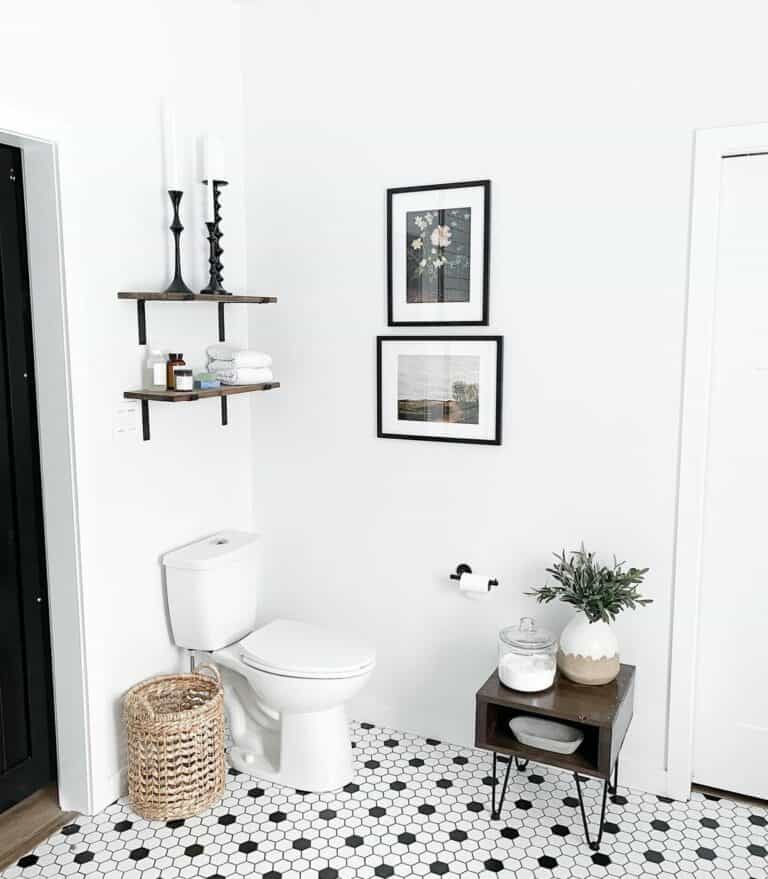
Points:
[438,254]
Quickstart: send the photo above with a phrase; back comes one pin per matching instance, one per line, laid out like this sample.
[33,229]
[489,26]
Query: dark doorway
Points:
[27,752]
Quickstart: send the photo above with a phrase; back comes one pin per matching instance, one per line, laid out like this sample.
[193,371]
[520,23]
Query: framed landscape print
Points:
[444,388]
[438,240]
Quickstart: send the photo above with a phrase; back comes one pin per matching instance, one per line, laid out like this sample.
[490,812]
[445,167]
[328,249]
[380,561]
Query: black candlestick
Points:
[177,285]
[215,284]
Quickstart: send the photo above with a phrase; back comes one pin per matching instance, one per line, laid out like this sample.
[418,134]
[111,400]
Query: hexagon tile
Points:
[417,807]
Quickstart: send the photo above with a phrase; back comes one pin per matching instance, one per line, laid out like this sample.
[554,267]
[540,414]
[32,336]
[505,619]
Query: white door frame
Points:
[58,471]
[711,147]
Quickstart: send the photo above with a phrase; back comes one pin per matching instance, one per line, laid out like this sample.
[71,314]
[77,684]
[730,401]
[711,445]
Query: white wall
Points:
[89,76]
[582,117]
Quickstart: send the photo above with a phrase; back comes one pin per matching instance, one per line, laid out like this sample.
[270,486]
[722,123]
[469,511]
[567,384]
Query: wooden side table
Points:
[602,714]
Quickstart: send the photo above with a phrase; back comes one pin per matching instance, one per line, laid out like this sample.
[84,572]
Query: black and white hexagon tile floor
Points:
[417,807]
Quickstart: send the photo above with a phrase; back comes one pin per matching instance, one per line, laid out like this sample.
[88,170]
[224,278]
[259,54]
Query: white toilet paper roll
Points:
[475,583]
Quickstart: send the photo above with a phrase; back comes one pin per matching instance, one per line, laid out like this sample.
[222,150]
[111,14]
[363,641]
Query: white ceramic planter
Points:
[589,652]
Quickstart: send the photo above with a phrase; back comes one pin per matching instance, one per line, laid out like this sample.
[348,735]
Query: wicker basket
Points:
[175,727]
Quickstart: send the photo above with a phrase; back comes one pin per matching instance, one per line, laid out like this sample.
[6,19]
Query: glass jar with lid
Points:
[527,657]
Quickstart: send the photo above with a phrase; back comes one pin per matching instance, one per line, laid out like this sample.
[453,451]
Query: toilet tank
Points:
[211,588]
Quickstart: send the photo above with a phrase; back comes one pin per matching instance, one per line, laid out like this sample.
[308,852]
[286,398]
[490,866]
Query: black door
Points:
[27,760]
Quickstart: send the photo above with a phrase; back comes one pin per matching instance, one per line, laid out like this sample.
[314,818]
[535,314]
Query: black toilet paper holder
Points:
[464,568]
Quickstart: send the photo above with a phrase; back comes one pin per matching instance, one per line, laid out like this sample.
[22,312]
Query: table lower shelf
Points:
[579,761]
[158,395]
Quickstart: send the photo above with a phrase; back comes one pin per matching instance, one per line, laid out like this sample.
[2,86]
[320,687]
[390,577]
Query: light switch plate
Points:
[125,422]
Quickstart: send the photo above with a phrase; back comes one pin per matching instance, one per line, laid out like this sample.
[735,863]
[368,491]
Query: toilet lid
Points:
[296,649]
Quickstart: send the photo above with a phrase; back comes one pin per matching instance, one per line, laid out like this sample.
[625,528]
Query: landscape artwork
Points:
[438,388]
[438,254]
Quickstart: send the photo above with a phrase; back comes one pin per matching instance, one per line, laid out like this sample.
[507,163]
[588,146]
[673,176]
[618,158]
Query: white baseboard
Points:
[640,776]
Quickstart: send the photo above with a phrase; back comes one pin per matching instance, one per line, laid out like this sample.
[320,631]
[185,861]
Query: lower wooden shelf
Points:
[155,395]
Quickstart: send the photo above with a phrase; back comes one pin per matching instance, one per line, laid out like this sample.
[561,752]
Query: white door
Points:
[731,716]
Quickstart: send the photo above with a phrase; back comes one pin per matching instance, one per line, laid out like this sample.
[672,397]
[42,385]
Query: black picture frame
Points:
[485,185]
[499,363]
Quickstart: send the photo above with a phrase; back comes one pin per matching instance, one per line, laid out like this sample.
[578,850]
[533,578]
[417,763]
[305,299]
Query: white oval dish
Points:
[537,732]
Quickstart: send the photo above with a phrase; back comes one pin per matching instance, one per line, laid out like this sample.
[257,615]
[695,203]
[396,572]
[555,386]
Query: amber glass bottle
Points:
[174,362]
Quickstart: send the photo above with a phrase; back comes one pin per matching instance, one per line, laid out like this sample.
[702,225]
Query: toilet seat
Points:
[295,649]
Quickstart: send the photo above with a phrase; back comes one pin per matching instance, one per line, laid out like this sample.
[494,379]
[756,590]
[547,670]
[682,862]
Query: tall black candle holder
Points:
[177,285]
[216,276]
[214,282]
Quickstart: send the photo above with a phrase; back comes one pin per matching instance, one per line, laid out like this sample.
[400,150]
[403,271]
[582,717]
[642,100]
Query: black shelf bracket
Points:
[141,319]
[141,314]
[145,419]
[145,430]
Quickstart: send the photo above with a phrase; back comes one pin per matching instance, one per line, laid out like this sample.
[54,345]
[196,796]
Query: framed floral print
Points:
[444,388]
[438,241]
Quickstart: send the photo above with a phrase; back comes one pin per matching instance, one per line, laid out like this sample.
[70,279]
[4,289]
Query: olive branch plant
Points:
[601,591]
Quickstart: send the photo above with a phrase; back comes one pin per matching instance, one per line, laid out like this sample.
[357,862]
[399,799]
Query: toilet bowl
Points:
[286,683]
[289,723]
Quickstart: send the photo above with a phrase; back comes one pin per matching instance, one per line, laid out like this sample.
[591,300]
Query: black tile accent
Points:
[706,853]
[493,865]
[547,862]
[248,846]
[438,868]
[653,856]
[193,851]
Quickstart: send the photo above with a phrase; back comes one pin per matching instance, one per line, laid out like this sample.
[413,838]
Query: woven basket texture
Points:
[175,727]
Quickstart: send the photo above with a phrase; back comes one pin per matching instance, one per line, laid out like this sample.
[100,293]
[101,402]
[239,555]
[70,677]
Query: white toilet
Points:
[286,684]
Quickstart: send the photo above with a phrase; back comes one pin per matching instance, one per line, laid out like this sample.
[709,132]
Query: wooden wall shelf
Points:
[145,395]
[141,298]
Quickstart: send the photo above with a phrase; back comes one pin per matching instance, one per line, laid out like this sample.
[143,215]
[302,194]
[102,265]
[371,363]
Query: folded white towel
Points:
[243,375]
[227,355]
[261,362]
[221,351]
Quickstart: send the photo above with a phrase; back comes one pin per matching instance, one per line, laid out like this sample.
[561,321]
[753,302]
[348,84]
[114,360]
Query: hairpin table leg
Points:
[594,845]
[496,811]
[224,418]
[222,332]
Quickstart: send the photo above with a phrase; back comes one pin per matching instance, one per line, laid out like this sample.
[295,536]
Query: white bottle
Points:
[155,368]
